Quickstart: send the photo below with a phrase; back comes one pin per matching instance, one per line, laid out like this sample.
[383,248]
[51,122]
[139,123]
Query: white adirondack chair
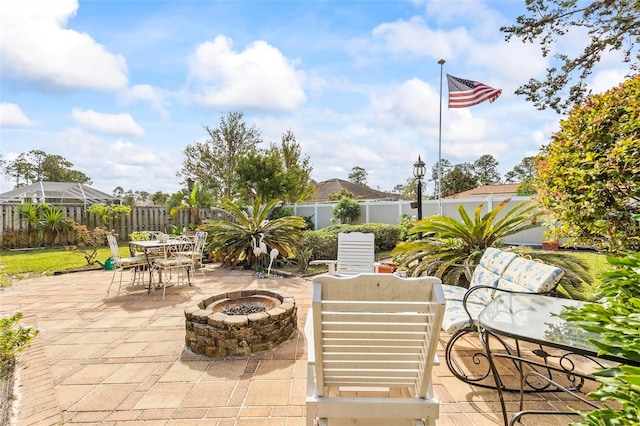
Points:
[356,254]
[372,342]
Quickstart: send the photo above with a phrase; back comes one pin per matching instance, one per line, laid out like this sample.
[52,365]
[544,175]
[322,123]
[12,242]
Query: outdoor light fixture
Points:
[419,171]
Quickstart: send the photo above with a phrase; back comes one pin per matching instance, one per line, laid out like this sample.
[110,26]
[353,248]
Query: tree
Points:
[589,175]
[358,176]
[159,198]
[523,174]
[213,162]
[459,179]
[37,165]
[612,25]
[485,169]
[262,171]
[297,170]
[346,210]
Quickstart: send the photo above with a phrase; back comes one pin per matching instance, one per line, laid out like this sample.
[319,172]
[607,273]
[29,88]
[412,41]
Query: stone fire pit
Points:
[240,323]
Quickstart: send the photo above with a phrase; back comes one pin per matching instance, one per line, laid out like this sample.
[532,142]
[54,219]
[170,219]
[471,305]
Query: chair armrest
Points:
[308,335]
[332,264]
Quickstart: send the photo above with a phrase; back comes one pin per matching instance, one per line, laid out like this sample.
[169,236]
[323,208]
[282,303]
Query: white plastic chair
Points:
[356,254]
[372,342]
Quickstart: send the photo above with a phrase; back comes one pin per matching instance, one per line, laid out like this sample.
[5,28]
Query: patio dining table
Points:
[155,246]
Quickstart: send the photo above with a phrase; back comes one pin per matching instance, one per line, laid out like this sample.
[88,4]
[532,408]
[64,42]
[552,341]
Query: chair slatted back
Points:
[356,253]
[376,330]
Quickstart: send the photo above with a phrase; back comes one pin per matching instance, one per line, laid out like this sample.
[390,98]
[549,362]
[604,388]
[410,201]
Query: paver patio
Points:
[121,360]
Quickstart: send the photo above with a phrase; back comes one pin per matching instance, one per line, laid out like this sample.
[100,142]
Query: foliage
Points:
[611,26]
[13,338]
[37,165]
[303,257]
[589,175]
[53,221]
[107,212]
[233,241]
[324,242]
[459,179]
[452,247]
[30,218]
[616,320]
[524,174]
[358,176]
[89,241]
[262,172]
[213,162]
[485,170]
[297,169]
[192,199]
[346,210]
[406,223]
[344,193]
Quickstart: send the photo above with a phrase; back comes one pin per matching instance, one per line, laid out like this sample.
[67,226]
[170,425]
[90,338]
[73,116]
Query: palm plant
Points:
[30,217]
[52,221]
[450,248]
[235,240]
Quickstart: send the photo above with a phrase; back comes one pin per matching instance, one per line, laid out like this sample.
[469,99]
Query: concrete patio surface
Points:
[102,359]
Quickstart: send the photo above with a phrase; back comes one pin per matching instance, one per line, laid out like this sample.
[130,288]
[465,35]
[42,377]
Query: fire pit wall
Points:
[218,335]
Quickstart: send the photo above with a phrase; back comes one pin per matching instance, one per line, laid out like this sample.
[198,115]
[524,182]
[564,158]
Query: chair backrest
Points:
[356,253]
[200,242]
[115,250]
[376,330]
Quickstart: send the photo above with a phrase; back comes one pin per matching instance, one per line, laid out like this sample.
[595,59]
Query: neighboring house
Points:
[506,190]
[360,192]
[57,193]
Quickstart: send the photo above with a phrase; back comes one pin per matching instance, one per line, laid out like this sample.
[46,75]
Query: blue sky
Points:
[119,88]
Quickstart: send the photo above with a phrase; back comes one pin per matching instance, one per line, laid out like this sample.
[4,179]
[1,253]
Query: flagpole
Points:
[441,63]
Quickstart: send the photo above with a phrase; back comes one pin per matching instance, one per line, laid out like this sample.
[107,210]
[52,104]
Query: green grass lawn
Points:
[47,261]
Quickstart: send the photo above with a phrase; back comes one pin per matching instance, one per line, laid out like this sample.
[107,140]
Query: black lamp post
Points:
[419,171]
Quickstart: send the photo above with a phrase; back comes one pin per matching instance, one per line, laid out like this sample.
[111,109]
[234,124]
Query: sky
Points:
[119,88]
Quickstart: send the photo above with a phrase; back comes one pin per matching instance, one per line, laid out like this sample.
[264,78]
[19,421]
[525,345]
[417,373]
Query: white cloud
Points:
[156,97]
[412,103]
[12,116]
[415,37]
[114,124]
[258,77]
[37,47]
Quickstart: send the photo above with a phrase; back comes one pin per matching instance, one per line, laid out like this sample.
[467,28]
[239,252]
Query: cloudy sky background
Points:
[119,88]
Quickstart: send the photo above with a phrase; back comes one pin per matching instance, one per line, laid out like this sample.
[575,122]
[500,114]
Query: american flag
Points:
[465,93]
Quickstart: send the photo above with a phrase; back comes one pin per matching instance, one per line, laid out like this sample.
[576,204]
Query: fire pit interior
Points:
[240,323]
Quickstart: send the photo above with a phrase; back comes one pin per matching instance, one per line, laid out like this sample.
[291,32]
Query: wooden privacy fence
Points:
[13,232]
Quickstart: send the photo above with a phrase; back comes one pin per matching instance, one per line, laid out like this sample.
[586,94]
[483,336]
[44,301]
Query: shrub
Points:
[13,338]
[616,318]
[346,210]
[324,242]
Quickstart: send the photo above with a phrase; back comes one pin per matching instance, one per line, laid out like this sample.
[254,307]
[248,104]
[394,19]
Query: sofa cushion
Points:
[530,276]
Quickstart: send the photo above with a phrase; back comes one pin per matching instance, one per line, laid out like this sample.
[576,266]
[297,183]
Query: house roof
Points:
[334,186]
[58,193]
[506,190]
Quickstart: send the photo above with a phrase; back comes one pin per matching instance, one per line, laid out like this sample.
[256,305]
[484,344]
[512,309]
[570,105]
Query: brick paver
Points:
[102,359]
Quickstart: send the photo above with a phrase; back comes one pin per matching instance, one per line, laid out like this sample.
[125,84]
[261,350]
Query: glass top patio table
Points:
[534,318]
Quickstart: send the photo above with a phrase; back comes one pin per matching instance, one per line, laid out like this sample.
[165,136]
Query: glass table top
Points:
[533,317]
